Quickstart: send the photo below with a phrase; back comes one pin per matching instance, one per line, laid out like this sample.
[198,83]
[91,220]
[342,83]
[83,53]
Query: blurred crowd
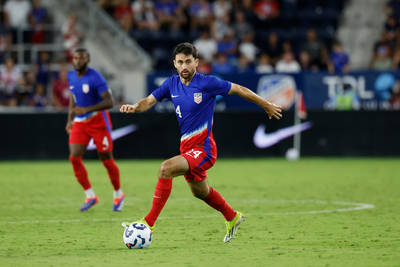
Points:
[39,80]
[386,53]
[234,36]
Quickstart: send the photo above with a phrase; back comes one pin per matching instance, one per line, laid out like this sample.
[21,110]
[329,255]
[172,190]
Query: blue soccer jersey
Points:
[194,104]
[87,89]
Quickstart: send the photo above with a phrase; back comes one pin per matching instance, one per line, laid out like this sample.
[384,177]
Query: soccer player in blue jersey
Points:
[193,96]
[88,118]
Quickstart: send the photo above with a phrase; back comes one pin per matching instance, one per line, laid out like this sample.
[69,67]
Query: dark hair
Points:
[82,50]
[186,49]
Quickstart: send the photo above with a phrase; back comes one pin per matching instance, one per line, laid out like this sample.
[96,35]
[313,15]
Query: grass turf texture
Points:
[40,223]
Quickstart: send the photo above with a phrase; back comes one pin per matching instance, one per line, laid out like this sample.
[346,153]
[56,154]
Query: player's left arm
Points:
[270,108]
[106,103]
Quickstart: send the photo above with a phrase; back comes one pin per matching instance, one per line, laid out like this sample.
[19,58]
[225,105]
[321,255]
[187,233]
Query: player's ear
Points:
[196,61]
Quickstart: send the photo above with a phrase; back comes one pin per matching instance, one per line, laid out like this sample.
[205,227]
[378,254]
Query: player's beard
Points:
[188,75]
[81,68]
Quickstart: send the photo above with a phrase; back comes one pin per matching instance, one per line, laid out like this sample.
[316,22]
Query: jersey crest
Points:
[198,97]
[85,88]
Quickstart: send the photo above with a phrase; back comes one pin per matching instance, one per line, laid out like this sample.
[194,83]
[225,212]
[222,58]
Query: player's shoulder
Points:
[206,78]
[70,74]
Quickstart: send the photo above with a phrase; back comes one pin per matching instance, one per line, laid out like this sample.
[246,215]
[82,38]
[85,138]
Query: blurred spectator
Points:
[123,12]
[61,90]
[22,92]
[38,98]
[305,62]
[222,66]
[206,46]
[9,76]
[347,99]
[266,9]
[394,99]
[287,64]
[396,58]
[144,15]
[244,65]
[221,28]
[391,25]
[42,68]
[227,45]
[241,26]
[18,11]
[169,14]
[273,47]
[338,59]
[5,42]
[315,48]
[72,37]
[287,46]
[381,59]
[247,47]
[264,65]
[38,17]
[204,67]
[222,8]
[200,14]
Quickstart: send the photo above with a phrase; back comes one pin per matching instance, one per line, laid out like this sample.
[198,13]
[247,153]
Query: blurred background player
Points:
[88,118]
[193,96]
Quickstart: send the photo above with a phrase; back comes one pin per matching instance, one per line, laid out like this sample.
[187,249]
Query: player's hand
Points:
[68,127]
[273,110]
[128,108]
[80,110]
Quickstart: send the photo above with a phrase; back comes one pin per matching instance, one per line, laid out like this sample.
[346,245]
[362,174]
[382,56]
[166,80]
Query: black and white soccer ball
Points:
[137,235]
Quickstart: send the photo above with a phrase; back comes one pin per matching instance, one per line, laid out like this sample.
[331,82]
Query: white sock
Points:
[90,193]
[118,193]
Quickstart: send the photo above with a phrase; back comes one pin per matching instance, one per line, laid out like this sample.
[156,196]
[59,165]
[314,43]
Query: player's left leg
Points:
[113,173]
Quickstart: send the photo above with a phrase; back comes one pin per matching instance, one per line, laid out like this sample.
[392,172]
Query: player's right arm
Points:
[71,114]
[141,106]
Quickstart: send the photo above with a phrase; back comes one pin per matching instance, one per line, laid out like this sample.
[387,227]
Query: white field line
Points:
[350,207]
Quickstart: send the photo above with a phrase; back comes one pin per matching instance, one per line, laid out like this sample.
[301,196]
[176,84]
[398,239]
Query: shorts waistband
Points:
[87,117]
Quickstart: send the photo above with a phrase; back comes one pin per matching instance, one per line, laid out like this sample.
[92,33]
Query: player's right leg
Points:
[168,170]
[78,141]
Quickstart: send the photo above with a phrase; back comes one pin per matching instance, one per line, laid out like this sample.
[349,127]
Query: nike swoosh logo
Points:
[264,140]
[115,134]
[173,96]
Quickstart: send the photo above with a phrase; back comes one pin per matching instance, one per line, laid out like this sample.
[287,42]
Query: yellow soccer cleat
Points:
[126,224]
[233,226]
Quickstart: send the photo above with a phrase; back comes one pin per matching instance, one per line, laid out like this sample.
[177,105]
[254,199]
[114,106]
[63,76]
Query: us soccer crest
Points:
[198,97]
[85,88]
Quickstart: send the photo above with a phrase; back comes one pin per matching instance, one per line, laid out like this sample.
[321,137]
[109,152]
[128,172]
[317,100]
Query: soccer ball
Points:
[137,235]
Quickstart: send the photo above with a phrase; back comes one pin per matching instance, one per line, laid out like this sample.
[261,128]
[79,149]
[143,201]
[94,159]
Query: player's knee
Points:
[166,170]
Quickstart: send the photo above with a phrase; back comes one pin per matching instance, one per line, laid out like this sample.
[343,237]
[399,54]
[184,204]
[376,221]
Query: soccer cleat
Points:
[89,202]
[233,226]
[118,203]
[126,224]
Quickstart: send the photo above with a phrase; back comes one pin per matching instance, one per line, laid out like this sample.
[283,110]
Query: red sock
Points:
[215,200]
[161,194]
[113,172]
[80,172]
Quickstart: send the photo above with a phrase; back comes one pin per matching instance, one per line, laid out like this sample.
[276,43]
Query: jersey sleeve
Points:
[216,86]
[99,83]
[163,91]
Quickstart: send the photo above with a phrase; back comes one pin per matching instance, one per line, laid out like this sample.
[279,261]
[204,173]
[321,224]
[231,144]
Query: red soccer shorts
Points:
[97,127]
[199,161]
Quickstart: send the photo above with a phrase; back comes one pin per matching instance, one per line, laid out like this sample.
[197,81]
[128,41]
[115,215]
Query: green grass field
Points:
[298,214]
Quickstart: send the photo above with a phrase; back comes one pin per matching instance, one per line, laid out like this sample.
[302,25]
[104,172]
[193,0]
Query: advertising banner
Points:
[370,90]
